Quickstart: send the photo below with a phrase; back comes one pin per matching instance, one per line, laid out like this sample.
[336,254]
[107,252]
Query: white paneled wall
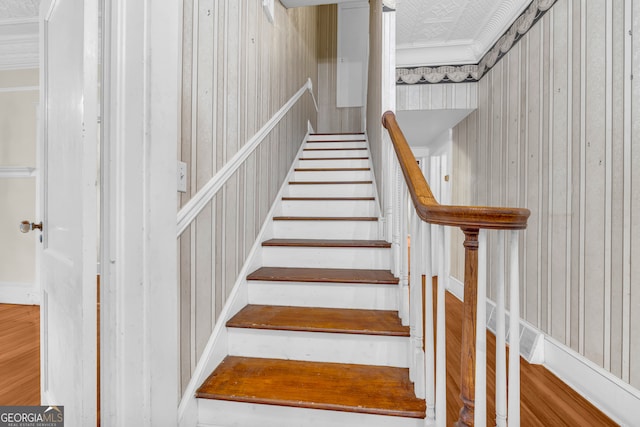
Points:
[238,71]
[557,131]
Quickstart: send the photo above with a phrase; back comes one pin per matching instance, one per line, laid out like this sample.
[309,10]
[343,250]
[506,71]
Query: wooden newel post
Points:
[469,318]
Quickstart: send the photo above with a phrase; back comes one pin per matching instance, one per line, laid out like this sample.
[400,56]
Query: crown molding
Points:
[462,51]
[456,70]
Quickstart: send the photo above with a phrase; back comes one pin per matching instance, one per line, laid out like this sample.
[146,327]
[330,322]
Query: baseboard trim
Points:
[617,399]
[19,293]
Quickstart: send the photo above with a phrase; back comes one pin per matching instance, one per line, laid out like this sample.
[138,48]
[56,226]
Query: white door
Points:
[69,52]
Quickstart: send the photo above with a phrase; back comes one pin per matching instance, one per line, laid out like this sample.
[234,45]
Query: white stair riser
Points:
[342,163]
[328,208]
[334,153]
[329,190]
[352,144]
[363,258]
[333,176]
[348,230]
[320,347]
[348,136]
[328,295]
[220,413]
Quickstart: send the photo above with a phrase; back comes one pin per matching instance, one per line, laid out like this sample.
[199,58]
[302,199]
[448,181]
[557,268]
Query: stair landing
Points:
[378,390]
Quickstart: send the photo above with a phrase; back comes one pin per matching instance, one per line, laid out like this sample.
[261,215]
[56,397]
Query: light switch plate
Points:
[182,177]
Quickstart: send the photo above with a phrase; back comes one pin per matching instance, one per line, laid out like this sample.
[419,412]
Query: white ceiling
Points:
[19,33]
[451,32]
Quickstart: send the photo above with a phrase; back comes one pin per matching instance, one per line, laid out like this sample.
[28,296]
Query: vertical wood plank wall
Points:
[557,131]
[330,117]
[238,70]
[374,92]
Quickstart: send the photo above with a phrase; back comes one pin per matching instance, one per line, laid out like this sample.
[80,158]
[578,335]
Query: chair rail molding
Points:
[17,172]
[193,207]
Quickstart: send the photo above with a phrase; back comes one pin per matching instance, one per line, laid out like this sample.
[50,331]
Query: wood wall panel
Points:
[330,117]
[238,71]
[555,131]
[374,93]
[631,314]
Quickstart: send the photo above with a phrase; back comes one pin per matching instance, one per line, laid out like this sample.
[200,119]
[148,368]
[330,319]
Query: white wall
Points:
[18,103]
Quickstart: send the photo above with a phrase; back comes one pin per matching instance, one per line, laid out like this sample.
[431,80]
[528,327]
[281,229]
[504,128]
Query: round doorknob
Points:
[26,226]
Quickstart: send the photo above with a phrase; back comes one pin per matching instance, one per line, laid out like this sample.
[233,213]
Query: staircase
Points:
[320,342]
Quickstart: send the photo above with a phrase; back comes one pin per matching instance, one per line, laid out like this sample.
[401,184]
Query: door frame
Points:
[139,286]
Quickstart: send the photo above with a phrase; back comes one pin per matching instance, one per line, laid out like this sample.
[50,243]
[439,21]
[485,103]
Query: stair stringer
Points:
[378,208]
[217,346]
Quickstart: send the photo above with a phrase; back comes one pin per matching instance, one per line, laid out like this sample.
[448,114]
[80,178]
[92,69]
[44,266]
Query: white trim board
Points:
[17,172]
[617,399]
[19,293]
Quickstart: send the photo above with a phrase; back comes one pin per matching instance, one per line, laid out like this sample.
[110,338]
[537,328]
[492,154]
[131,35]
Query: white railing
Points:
[194,206]
[414,217]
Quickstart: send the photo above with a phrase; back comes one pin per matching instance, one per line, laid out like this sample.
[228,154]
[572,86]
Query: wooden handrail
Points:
[470,219]
[429,210]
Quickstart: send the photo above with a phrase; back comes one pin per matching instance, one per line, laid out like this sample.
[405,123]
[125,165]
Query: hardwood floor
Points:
[19,355]
[546,401]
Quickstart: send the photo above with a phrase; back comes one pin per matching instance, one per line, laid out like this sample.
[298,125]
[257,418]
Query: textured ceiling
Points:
[437,32]
[11,10]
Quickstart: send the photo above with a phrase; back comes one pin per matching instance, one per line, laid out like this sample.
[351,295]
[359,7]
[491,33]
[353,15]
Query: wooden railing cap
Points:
[427,207]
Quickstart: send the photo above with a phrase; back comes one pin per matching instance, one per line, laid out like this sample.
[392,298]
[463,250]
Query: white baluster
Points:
[441,356]
[388,185]
[514,332]
[417,259]
[404,249]
[501,351]
[429,349]
[397,186]
[413,307]
[480,413]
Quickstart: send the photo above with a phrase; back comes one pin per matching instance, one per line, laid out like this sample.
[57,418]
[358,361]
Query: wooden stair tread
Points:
[380,390]
[315,319]
[320,141]
[338,133]
[336,149]
[330,275]
[325,218]
[333,158]
[328,198]
[327,243]
[328,182]
[331,169]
